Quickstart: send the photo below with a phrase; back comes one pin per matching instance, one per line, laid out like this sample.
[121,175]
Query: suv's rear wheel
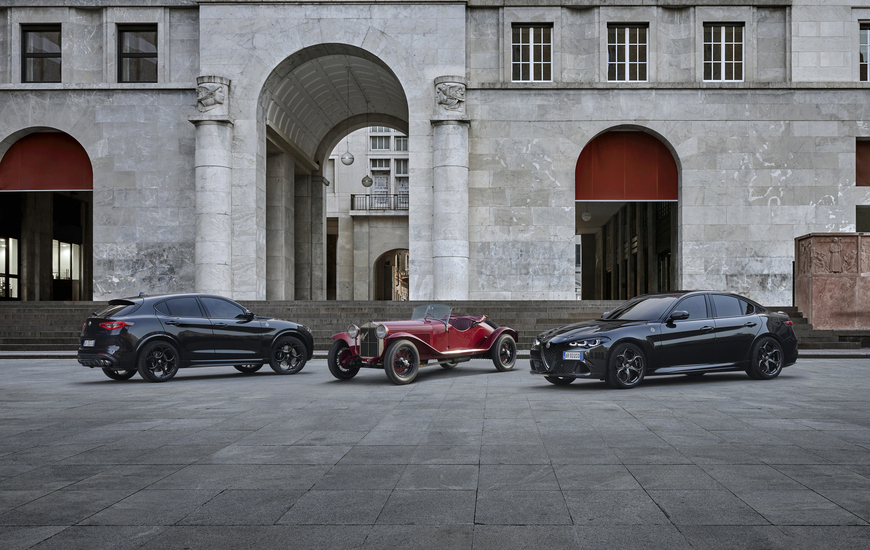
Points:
[158,361]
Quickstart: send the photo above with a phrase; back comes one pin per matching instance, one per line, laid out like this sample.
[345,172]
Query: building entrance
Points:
[626,218]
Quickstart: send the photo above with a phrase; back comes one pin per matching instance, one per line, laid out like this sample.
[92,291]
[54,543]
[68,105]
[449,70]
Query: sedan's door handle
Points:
[749,324]
[706,329]
[220,325]
[173,323]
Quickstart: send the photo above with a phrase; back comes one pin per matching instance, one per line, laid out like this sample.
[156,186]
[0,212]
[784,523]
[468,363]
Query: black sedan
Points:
[157,335]
[688,333]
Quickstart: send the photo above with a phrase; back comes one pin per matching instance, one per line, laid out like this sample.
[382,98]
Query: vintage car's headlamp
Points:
[381,331]
[588,343]
[353,331]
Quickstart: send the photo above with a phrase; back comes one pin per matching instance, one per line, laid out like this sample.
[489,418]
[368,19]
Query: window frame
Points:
[722,45]
[380,139]
[25,56]
[530,46]
[864,47]
[627,63]
[121,55]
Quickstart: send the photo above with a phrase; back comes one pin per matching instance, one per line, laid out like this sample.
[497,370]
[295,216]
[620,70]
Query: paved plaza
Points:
[463,459]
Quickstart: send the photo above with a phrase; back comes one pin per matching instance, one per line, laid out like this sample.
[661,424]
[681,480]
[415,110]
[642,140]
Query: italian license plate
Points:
[572,355]
[88,343]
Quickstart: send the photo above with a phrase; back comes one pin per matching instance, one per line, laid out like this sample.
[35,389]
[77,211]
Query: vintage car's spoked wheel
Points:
[339,361]
[560,380]
[248,369]
[119,374]
[767,359]
[504,354]
[627,366]
[288,355]
[401,362]
[158,362]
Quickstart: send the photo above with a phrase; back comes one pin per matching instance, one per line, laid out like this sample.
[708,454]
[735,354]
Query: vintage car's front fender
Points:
[493,338]
[351,342]
[421,345]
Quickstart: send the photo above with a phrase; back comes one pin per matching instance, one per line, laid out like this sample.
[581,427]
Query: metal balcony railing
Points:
[379,202]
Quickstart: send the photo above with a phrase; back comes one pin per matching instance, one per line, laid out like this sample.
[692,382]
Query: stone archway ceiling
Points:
[321,87]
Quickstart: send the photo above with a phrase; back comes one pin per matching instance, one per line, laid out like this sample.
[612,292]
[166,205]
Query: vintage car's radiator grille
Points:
[368,343]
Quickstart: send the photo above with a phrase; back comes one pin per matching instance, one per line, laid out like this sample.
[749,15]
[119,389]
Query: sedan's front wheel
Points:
[158,362]
[766,360]
[119,374]
[401,362]
[626,367]
[288,355]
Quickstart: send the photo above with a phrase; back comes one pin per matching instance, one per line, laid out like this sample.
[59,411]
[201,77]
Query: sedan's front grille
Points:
[368,343]
[551,357]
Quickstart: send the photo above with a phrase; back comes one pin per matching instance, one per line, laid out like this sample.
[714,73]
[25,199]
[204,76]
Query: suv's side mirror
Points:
[249,315]
[679,315]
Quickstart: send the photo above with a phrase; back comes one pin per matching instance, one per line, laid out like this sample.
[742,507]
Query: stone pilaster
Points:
[214,176]
[450,193]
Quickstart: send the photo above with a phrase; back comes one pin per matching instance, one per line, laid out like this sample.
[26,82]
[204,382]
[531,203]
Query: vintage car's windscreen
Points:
[643,308]
[431,311]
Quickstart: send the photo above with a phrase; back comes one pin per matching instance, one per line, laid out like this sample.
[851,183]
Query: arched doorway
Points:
[46,234]
[391,276]
[310,102]
[626,192]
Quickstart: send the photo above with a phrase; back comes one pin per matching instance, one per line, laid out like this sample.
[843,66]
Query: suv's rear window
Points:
[117,308]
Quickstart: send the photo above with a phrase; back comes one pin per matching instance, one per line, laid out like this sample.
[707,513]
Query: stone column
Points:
[318,238]
[280,243]
[450,190]
[214,177]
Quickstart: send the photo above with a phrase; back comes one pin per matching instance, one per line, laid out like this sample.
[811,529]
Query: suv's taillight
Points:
[789,323]
[112,325]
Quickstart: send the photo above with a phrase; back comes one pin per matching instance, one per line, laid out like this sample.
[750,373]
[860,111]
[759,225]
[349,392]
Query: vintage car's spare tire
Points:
[401,362]
[504,353]
[339,354]
[288,355]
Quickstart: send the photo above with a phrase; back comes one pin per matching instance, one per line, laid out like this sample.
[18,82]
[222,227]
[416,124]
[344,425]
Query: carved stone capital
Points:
[450,97]
[213,96]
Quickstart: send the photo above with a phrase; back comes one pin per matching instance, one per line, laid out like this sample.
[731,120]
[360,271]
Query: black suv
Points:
[157,335]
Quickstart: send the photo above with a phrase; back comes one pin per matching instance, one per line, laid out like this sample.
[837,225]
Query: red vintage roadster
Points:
[431,337]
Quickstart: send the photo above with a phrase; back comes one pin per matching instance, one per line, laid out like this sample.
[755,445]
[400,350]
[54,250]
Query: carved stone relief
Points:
[451,97]
[834,256]
[210,96]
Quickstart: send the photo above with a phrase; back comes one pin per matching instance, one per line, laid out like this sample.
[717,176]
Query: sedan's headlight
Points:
[588,343]
[381,331]
[536,343]
[353,331]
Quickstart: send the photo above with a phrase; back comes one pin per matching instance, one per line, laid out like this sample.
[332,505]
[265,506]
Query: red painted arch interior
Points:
[626,166]
[46,161]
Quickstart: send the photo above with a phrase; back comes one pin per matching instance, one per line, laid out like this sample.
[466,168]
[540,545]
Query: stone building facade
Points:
[209,175]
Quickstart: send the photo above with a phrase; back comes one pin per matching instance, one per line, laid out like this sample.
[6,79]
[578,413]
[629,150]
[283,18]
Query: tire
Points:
[560,380]
[288,355]
[119,374]
[504,353]
[247,369]
[626,366]
[339,355]
[766,360]
[401,362]
[158,361]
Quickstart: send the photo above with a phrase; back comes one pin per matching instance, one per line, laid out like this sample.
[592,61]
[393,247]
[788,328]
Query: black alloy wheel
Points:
[288,355]
[401,362]
[504,354]
[560,380]
[248,369]
[767,359]
[158,361]
[339,359]
[627,366]
[119,374]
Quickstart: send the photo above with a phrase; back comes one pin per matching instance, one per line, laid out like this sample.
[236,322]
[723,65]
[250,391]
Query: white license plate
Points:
[572,355]
[88,343]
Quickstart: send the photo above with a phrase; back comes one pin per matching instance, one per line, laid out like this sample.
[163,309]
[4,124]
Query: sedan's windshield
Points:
[642,308]
[431,311]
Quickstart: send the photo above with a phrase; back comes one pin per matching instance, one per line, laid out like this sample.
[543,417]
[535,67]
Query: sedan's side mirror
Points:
[679,315]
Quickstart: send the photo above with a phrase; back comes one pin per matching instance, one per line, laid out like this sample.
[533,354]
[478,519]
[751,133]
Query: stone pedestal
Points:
[214,177]
[450,191]
[832,280]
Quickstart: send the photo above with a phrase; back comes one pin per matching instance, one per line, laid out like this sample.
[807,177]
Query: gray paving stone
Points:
[525,537]
[429,507]
[521,508]
[420,537]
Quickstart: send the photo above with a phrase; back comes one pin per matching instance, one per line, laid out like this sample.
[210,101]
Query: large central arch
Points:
[626,189]
[308,103]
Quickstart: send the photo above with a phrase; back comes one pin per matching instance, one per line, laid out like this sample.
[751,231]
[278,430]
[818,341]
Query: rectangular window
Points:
[401,167]
[401,143]
[532,53]
[40,53]
[8,268]
[862,163]
[627,56]
[864,50]
[723,52]
[380,130]
[380,143]
[137,53]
